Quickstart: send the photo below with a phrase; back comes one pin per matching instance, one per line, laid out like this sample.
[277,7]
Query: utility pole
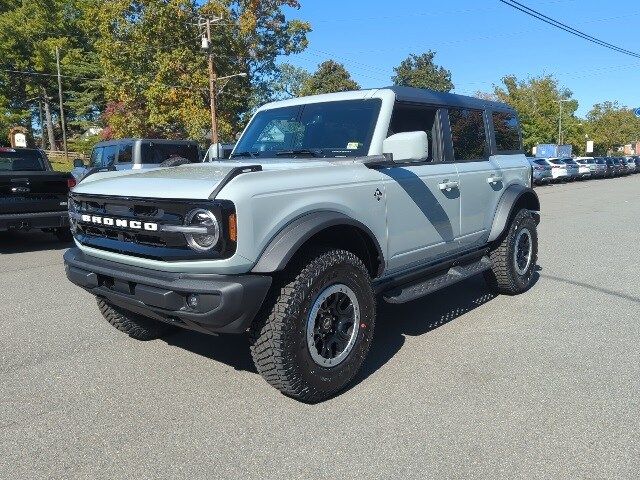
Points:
[212,86]
[62,122]
[560,125]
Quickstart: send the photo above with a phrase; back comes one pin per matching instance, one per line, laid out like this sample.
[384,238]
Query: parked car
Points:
[542,171]
[619,168]
[573,169]
[586,167]
[136,153]
[612,168]
[218,151]
[631,164]
[637,162]
[32,195]
[559,169]
[326,203]
[601,167]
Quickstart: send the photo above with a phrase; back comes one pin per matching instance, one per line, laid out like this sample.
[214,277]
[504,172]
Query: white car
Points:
[586,166]
[559,170]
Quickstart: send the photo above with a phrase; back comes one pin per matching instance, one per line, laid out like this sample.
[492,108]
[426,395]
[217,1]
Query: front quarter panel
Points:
[267,202]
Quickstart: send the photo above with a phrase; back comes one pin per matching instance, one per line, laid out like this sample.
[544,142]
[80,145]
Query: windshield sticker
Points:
[353,145]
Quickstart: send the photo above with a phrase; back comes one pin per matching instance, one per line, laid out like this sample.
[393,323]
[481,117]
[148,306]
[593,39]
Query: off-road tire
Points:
[503,277]
[278,335]
[136,326]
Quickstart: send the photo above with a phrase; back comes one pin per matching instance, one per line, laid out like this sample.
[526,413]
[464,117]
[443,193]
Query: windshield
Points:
[540,162]
[21,161]
[330,129]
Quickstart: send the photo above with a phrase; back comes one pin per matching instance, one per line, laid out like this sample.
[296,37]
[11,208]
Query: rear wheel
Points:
[134,325]
[514,258]
[315,330]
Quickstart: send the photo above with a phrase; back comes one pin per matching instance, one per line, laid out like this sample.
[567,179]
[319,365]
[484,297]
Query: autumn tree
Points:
[330,77]
[420,71]
[157,78]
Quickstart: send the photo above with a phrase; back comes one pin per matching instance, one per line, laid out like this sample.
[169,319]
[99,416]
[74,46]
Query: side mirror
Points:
[407,147]
[77,163]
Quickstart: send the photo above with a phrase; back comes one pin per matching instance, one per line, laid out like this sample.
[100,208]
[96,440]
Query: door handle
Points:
[447,186]
[494,179]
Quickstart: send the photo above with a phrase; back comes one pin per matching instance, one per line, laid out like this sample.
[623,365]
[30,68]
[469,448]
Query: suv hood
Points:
[193,181]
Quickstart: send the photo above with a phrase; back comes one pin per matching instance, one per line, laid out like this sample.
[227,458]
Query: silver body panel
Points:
[414,221]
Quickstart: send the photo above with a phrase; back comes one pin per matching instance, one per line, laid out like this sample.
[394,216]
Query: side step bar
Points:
[436,281]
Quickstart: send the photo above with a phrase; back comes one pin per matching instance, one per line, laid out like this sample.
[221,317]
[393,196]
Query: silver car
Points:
[542,171]
[573,169]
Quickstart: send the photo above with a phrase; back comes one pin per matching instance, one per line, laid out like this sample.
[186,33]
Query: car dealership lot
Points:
[458,384]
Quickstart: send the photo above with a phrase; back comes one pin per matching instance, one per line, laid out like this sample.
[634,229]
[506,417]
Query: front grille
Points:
[157,244]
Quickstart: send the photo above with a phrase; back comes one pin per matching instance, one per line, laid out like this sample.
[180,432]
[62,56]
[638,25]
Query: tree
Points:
[419,71]
[29,34]
[330,77]
[538,103]
[611,125]
[288,82]
[157,79]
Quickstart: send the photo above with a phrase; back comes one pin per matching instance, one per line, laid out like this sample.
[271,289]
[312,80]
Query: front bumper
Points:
[226,303]
[26,221]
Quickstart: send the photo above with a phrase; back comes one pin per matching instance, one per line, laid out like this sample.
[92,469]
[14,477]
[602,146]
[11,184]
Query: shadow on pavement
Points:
[594,288]
[31,241]
[393,323]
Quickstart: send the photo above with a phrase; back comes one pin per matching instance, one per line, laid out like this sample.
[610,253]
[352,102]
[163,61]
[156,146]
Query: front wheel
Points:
[315,330]
[514,258]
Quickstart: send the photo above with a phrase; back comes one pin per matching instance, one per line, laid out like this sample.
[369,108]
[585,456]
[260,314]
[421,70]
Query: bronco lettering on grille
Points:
[120,222]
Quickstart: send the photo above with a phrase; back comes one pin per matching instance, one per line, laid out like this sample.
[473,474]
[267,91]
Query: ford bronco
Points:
[327,203]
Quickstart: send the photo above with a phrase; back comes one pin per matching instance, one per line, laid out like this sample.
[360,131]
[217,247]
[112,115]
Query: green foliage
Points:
[29,33]
[157,78]
[611,125]
[330,77]
[288,82]
[537,101]
[421,72]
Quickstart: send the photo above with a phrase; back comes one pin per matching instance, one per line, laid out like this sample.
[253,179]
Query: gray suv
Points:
[326,203]
[136,154]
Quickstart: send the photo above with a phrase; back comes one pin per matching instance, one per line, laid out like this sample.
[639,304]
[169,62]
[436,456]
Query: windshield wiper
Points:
[300,151]
[245,154]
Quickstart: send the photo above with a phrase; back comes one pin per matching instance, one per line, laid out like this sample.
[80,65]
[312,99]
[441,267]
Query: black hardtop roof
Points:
[422,95]
[153,140]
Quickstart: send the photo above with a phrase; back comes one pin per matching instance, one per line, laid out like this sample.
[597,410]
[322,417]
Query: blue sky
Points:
[480,42]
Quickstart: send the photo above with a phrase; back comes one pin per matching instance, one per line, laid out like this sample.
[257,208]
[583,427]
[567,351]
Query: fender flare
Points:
[288,241]
[515,196]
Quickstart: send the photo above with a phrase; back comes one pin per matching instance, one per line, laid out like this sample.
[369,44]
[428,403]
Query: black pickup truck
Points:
[32,195]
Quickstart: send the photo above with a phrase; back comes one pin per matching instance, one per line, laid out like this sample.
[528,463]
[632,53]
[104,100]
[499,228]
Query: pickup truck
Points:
[327,203]
[32,195]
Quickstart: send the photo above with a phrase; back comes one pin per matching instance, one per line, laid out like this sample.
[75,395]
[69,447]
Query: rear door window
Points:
[507,132]
[468,134]
[126,153]
[155,153]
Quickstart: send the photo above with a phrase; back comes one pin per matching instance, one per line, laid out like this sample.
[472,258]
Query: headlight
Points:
[206,230]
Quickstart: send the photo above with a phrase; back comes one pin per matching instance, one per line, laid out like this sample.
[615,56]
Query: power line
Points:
[562,26]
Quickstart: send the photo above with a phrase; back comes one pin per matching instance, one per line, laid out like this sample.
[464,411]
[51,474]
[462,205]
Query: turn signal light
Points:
[233,228]
[71,182]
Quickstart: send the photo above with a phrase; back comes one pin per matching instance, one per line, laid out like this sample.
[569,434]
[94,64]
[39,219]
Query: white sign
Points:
[589,146]
[20,140]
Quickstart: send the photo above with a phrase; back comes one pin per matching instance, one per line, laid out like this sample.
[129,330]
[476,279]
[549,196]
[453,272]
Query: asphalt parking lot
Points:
[461,384]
